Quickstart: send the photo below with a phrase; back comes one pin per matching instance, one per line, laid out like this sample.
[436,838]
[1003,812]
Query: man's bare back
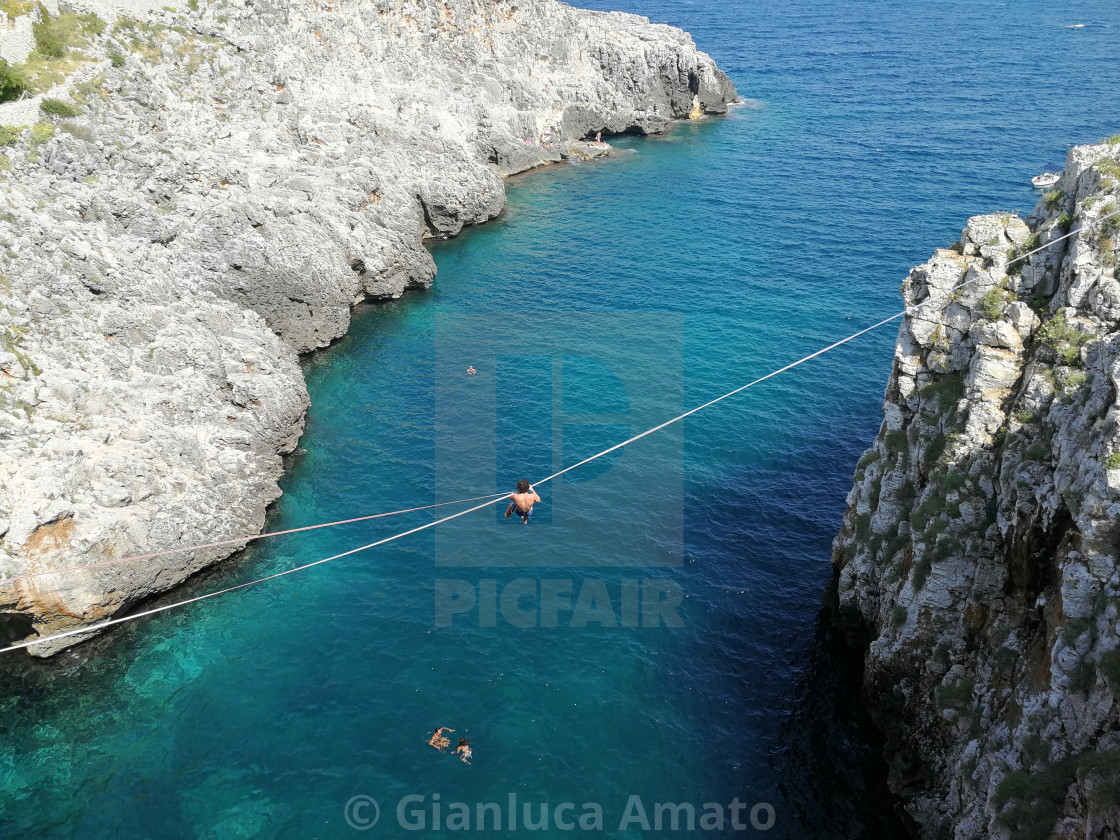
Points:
[523,501]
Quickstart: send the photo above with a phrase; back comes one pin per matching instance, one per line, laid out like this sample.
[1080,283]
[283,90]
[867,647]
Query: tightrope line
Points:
[245,539]
[94,628]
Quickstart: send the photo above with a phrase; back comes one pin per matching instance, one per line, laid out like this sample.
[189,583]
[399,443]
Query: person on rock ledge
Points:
[523,501]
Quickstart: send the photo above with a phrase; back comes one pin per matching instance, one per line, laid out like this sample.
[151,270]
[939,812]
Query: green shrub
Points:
[58,108]
[54,36]
[1034,799]
[1112,462]
[934,501]
[1018,258]
[869,458]
[955,695]
[892,546]
[81,132]
[907,493]
[1065,221]
[1102,771]
[1071,380]
[1108,167]
[41,133]
[898,615]
[1063,338]
[1082,677]
[1070,355]
[1053,198]
[50,41]
[9,134]
[1030,803]
[947,390]
[863,526]
[934,528]
[16,8]
[952,480]
[946,547]
[1075,628]
[12,82]
[933,451]
[895,441]
[991,305]
[116,58]
[1110,224]
[1040,304]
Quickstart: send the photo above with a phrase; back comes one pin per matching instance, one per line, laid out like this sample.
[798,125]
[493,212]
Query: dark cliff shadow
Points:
[831,758]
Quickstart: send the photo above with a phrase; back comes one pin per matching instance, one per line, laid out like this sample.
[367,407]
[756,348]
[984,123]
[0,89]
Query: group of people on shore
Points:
[441,742]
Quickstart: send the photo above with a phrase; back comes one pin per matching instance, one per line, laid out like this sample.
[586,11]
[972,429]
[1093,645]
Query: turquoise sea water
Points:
[607,298]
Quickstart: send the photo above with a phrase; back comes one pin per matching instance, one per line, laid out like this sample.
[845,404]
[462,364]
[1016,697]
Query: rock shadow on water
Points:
[831,764]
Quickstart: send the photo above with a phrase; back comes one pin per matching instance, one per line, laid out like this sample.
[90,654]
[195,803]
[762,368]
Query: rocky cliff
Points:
[978,558]
[204,194]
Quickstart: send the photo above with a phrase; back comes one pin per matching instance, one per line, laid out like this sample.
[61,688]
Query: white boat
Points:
[1046,179]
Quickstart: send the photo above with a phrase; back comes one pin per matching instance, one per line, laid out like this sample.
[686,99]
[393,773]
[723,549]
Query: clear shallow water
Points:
[718,252]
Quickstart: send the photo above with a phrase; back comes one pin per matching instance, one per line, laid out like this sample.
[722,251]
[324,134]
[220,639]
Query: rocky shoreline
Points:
[978,561]
[226,181]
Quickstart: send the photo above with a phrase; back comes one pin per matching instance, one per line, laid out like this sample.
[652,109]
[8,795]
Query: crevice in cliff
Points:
[15,627]
[1031,555]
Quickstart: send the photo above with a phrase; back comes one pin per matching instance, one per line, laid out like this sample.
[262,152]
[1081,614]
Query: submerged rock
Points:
[978,561]
[238,178]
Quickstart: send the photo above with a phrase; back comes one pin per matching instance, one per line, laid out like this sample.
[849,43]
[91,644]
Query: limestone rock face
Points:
[978,560]
[238,178]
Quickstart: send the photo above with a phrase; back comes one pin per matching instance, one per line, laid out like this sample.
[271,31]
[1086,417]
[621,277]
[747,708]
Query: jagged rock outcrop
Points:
[978,560]
[239,175]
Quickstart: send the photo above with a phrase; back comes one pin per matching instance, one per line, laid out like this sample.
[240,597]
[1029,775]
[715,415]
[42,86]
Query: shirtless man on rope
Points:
[523,501]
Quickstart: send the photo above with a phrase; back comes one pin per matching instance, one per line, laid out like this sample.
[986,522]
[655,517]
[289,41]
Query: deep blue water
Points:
[607,298]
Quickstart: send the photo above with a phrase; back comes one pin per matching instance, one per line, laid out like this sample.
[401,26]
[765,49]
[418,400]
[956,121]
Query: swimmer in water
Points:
[464,750]
[438,740]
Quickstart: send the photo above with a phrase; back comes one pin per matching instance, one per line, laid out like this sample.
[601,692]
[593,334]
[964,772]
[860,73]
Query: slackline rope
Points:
[93,628]
[245,539]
